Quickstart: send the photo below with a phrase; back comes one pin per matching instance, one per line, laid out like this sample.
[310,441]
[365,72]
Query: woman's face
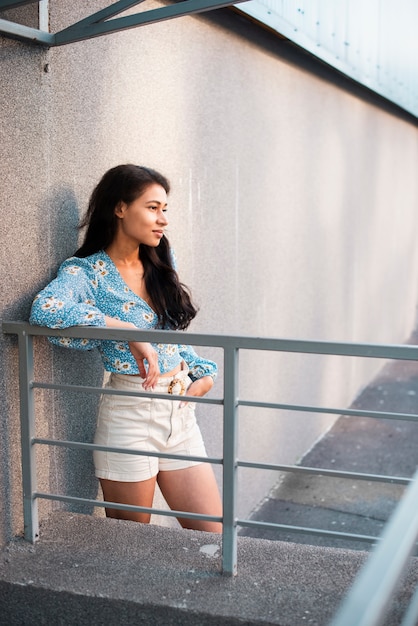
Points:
[144,220]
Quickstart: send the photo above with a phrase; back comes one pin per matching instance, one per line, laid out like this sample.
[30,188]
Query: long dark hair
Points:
[125,183]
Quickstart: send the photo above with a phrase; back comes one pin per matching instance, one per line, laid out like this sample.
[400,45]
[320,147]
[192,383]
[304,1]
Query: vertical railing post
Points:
[230,479]
[27,433]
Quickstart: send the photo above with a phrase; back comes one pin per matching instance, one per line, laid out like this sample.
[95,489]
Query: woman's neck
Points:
[123,254]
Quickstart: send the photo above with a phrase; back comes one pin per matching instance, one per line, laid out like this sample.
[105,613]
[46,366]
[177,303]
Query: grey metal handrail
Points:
[369,597]
[231,346]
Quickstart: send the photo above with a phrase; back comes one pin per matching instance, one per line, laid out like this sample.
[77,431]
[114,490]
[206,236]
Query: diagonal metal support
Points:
[96,29]
[99,23]
[105,14]
[13,4]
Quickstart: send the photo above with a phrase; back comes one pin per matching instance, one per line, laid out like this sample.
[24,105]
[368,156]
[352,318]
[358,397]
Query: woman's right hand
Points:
[141,351]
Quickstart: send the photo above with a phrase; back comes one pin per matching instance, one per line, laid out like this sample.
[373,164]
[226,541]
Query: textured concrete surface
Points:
[85,570]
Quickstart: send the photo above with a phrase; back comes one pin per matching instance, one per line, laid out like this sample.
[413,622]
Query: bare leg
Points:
[193,489]
[138,493]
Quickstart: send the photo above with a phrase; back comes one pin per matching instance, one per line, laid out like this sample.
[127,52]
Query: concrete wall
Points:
[293,214]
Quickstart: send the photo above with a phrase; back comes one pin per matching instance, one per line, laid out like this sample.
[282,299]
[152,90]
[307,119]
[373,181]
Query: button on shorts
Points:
[145,424]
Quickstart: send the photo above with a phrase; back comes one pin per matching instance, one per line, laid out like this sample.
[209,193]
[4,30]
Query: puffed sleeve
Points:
[198,367]
[69,300]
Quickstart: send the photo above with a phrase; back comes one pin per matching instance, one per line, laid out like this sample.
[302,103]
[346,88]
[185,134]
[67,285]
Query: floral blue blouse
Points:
[87,289]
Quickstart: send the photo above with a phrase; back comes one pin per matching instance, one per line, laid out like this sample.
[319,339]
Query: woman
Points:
[124,276]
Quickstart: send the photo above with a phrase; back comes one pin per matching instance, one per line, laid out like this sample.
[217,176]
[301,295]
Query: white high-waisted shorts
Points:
[146,424]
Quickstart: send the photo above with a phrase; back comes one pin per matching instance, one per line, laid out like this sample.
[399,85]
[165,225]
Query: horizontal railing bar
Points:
[295,469]
[121,392]
[317,409]
[125,507]
[400,352]
[188,515]
[309,531]
[219,401]
[95,446]
[218,461]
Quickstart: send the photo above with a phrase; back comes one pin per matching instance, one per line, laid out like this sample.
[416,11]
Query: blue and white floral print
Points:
[83,293]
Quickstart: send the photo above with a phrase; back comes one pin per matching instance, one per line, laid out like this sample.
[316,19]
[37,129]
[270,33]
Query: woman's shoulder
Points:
[91,264]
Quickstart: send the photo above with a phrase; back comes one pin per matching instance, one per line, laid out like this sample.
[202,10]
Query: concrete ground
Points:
[90,571]
[356,444]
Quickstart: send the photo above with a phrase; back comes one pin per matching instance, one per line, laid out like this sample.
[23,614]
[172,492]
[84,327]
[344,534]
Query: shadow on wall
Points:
[73,418]
[63,212]
[68,415]
[59,415]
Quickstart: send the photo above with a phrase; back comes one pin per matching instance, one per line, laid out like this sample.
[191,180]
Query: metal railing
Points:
[372,591]
[231,346]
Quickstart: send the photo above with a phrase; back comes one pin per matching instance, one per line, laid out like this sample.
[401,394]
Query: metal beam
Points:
[106,13]
[93,28]
[13,4]
[95,25]
[25,33]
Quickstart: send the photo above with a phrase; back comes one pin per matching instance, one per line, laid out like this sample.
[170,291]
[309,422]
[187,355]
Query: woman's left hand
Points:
[199,387]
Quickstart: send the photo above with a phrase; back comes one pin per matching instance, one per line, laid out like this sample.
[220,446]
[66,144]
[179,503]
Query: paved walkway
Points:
[376,446]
